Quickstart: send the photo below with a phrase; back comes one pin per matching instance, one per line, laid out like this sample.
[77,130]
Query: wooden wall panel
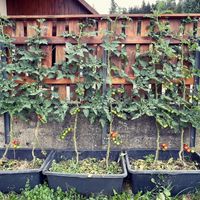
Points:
[55,49]
[45,7]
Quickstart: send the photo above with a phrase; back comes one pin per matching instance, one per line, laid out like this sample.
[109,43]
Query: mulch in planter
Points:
[171,164]
[86,166]
[12,164]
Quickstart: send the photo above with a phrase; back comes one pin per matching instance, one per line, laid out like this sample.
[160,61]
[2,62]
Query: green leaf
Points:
[86,112]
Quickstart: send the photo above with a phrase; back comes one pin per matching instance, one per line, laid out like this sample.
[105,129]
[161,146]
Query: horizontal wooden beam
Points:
[172,16]
[66,81]
[115,81]
[92,40]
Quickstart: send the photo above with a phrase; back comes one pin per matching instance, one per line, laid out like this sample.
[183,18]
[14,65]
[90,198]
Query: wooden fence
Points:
[136,32]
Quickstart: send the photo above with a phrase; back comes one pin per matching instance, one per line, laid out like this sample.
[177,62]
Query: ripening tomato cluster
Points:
[164,146]
[115,137]
[114,134]
[187,148]
[15,143]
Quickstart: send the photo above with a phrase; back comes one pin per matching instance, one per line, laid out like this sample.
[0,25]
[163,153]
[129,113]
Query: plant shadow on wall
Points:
[23,92]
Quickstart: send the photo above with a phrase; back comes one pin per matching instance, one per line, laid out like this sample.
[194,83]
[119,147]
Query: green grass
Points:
[43,192]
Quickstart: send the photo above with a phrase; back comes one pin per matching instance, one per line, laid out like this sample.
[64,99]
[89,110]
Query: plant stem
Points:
[37,137]
[110,102]
[181,145]
[74,137]
[184,97]
[157,128]
[157,142]
[36,132]
[108,146]
[11,137]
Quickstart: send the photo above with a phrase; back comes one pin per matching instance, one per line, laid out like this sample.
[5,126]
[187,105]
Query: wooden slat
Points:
[116,61]
[116,27]
[145,27]
[131,51]
[19,29]
[62,92]
[189,28]
[60,53]
[102,28]
[91,30]
[175,26]
[144,48]
[47,60]
[9,30]
[60,28]
[47,29]
[131,29]
[74,26]
[30,30]
[99,52]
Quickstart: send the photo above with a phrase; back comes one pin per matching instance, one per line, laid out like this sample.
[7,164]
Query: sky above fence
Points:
[102,6]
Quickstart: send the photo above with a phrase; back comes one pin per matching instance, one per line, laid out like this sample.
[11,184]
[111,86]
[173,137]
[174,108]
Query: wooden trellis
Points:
[136,32]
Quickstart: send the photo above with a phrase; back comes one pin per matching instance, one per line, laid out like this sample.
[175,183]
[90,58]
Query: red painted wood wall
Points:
[45,7]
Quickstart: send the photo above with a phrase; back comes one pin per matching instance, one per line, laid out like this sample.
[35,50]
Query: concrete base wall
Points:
[139,133]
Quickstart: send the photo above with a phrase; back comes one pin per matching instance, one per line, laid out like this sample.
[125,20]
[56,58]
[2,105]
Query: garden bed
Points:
[181,178]
[95,180]
[18,169]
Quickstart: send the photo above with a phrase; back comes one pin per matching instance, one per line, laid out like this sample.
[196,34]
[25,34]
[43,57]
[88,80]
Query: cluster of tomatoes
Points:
[187,148]
[65,133]
[118,91]
[164,146]
[115,137]
[117,113]
[74,111]
[15,143]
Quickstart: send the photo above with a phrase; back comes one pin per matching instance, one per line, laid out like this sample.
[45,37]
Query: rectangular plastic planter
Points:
[84,184]
[15,180]
[181,181]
